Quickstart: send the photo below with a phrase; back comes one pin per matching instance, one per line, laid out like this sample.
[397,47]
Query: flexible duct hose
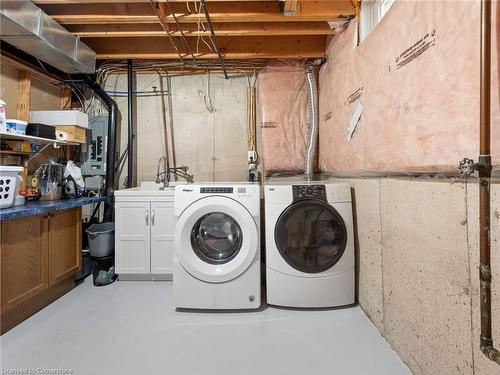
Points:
[312,93]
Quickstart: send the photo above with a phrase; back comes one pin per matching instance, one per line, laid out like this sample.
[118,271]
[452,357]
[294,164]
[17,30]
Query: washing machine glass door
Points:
[311,236]
[216,239]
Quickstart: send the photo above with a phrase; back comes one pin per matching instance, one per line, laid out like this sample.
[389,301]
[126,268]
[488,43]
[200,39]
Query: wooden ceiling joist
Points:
[222,29]
[290,7]
[249,11]
[131,29]
[59,2]
[231,47]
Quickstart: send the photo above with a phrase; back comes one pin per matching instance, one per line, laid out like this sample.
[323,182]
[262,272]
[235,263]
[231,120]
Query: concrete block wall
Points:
[418,255]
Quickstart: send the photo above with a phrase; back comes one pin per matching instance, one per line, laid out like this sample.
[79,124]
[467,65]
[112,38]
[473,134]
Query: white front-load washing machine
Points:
[309,244]
[217,246]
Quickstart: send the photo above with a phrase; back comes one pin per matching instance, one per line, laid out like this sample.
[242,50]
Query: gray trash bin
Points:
[101,239]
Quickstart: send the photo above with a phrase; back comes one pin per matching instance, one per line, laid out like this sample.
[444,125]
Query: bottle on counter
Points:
[3,117]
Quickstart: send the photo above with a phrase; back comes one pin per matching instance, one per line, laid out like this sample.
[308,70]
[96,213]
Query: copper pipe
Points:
[484,166]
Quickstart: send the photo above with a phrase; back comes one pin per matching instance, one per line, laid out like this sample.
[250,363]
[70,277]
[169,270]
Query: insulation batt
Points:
[417,76]
[284,115]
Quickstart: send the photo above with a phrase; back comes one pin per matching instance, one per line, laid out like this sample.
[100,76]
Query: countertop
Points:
[41,207]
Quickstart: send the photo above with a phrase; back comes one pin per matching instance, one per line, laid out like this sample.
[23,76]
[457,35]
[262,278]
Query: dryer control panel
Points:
[301,192]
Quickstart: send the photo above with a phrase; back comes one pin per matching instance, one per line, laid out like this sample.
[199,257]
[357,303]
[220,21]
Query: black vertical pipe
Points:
[130,162]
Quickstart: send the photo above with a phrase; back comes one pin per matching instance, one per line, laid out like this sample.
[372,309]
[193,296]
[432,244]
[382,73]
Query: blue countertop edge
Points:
[41,207]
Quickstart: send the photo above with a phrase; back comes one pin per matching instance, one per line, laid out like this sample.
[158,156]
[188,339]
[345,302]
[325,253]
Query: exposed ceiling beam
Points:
[237,11]
[211,56]
[65,2]
[290,7]
[131,29]
[231,47]
[222,29]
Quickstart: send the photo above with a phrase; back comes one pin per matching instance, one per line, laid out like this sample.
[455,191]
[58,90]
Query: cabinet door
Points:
[23,259]
[162,237]
[132,237]
[65,244]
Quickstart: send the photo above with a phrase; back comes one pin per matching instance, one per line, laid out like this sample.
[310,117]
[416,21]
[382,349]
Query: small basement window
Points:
[372,11]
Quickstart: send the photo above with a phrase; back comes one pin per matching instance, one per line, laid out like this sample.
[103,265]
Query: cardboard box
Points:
[75,133]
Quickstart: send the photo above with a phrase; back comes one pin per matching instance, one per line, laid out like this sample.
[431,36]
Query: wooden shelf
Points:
[32,139]
[7,152]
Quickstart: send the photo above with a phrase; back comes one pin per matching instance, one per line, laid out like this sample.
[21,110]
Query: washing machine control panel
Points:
[301,192]
[216,190]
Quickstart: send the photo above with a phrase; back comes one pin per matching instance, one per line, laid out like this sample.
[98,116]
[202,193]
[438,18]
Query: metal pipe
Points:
[484,167]
[183,36]
[111,143]
[165,130]
[130,95]
[160,14]
[213,38]
[171,122]
[312,92]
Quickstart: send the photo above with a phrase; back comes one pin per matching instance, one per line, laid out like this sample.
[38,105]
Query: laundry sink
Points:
[151,185]
[149,188]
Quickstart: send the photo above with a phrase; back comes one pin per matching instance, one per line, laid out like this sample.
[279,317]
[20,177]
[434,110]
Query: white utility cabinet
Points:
[144,233]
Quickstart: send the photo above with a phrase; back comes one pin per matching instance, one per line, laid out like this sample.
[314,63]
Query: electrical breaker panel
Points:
[95,157]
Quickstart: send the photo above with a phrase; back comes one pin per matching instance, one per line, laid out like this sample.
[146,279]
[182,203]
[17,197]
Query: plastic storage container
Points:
[103,270]
[9,178]
[101,239]
[16,126]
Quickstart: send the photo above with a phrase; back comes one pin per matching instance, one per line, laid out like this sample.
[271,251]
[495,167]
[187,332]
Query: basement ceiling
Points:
[144,29]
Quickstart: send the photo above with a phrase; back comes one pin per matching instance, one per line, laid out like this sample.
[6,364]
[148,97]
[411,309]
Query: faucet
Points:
[163,176]
[182,172]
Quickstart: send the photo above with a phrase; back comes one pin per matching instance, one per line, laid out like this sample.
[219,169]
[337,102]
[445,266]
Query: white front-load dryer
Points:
[309,244]
[217,246]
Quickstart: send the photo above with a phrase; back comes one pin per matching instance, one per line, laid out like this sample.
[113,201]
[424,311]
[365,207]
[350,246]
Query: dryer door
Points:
[216,239]
[311,236]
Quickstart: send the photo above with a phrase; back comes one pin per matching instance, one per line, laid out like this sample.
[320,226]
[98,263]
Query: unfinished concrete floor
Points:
[131,328]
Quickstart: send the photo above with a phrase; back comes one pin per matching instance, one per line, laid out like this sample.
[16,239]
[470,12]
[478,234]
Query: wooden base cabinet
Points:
[24,260]
[39,256]
[65,244]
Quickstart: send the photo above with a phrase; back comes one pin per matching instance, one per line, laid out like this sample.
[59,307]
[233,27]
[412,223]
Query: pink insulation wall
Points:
[283,102]
[417,77]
